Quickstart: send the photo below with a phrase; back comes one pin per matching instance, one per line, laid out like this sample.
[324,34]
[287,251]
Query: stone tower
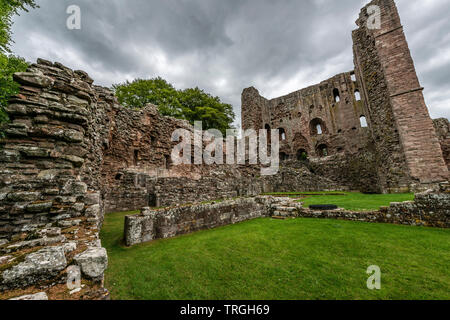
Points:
[408,150]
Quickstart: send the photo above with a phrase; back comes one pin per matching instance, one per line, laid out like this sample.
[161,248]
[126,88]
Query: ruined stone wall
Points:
[356,171]
[332,104]
[442,128]
[430,210]
[137,189]
[170,222]
[407,147]
[139,146]
[50,203]
[325,120]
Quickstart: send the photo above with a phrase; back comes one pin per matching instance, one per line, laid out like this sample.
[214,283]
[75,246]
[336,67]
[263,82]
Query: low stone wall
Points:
[430,210]
[138,189]
[170,222]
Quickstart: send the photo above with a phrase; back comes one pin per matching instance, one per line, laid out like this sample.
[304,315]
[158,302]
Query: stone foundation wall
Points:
[429,210]
[356,171]
[442,128]
[139,189]
[170,222]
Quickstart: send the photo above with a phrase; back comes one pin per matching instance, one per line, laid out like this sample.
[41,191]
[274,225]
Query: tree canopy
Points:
[191,104]
[156,91]
[8,87]
[9,64]
[8,8]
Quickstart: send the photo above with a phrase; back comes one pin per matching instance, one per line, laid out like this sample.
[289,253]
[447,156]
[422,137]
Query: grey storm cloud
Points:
[224,46]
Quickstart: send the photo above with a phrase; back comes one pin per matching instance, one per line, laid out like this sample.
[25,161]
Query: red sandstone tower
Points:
[404,135]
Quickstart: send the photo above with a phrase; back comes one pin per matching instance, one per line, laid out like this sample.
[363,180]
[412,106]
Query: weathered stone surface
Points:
[69,223]
[93,262]
[77,161]
[16,109]
[34,151]
[36,296]
[9,155]
[23,196]
[41,265]
[169,222]
[39,206]
[5,259]
[34,79]
[75,187]
[69,246]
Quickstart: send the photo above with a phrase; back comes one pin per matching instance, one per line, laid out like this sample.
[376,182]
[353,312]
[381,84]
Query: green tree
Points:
[200,106]
[156,91]
[8,87]
[190,104]
[8,8]
[9,64]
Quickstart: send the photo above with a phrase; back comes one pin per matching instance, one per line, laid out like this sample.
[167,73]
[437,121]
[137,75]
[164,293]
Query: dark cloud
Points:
[224,46]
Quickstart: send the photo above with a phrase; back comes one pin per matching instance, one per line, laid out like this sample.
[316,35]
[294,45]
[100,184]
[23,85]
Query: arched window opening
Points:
[282,134]
[336,95]
[317,127]
[353,77]
[363,121]
[357,95]
[283,156]
[322,150]
[302,155]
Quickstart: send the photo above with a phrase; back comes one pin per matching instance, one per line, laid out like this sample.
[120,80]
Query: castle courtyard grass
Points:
[356,201]
[281,259]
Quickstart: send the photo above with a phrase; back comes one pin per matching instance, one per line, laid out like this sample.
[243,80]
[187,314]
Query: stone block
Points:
[34,79]
[36,296]
[41,265]
[93,262]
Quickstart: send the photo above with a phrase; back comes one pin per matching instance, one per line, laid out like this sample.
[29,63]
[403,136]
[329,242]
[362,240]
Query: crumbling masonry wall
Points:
[170,222]
[50,202]
[442,128]
[407,147]
[428,209]
[398,150]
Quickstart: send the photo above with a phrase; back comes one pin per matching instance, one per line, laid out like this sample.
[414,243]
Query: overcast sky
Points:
[224,46]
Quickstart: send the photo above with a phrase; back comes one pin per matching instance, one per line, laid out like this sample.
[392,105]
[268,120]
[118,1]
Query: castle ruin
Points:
[72,153]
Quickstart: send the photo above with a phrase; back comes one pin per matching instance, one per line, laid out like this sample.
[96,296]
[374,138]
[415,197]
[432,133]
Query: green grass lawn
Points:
[276,259]
[357,201]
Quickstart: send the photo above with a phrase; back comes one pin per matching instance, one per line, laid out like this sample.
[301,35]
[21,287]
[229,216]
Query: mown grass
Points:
[358,201]
[274,259]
